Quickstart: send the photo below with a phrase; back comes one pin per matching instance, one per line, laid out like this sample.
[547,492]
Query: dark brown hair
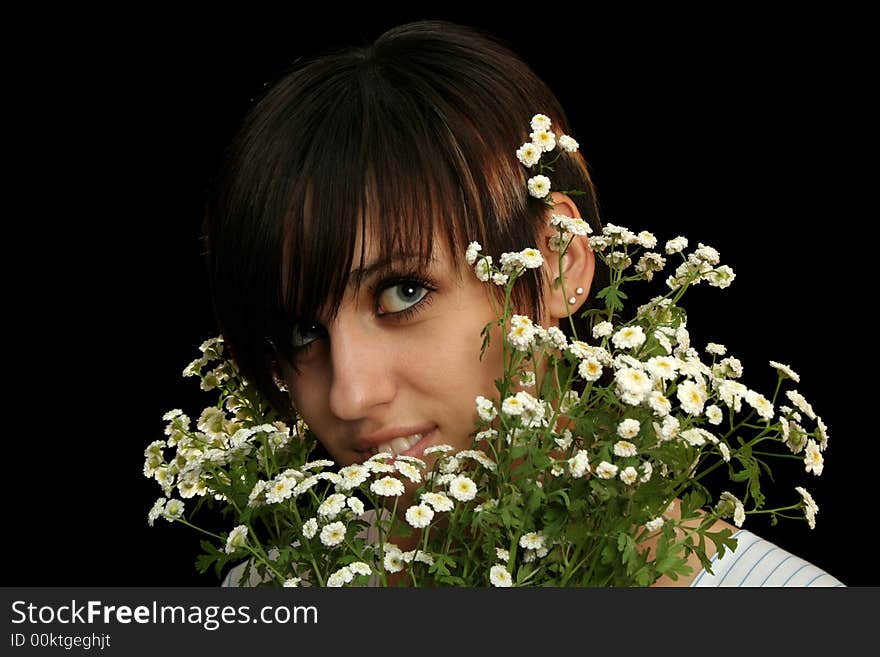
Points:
[416,134]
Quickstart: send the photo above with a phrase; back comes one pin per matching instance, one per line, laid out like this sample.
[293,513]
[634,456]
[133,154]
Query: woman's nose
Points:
[362,367]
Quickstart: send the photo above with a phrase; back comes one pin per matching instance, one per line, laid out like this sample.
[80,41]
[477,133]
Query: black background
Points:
[739,131]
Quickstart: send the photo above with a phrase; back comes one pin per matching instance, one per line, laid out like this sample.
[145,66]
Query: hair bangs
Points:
[390,175]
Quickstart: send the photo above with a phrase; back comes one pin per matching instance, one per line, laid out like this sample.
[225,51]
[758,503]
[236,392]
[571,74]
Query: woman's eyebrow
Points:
[357,276]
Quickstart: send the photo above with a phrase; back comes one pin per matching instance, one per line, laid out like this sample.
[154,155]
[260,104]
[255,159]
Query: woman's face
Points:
[399,367]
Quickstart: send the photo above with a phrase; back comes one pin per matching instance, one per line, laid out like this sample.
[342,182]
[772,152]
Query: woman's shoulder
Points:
[754,562]
[757,562]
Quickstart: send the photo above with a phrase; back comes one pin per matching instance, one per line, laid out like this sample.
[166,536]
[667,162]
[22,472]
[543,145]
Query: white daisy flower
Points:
[786,371]
[580,349]
[647,470]
[470,255]
[511,262]
[499,279]
[408,470]
[579,464]
[670,427]
[419,515]
[479,456]
[813,458]
[529,154]
[512,407]
[629,475]
[211,421]
[170,415]
[619,260]
[433,449]
[629,337]
[237,539]
[439,501]
[714,415]
[655,524]
[693,437]
[419,463]
[522,333]
[692,397]
[531,541]
[340,577]
[650,263]
[725,452]
[486,435]
[502,555]
[544,139]
[606,470]
[739,515]
[732,393]
[356,506]
[802,404]
[706,254]
[599,243]
[721,277]
[418,555]
[462,488]
[570,227]
[387,487]
[603,330]
[823,433]
[590,369]
[500,577]
[301,487]
[564,440]
[359,568]
[629,428]
[557,338]
[568,144]
[729,499]
[624,448]
[761,404]
[393,560]
[634,385]
[352,476]
[810,506]
[450,464]
[331,507]
[659,403]
[173,510]
[540,122]
[483,268]
[156,511]
[539,186]
[333,534]
[531,258]
[646,239]
[676,245]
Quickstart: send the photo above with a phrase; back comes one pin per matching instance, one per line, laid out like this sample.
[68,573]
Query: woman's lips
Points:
[410,445]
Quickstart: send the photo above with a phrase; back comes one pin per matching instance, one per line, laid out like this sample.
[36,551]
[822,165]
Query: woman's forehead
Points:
[378,255]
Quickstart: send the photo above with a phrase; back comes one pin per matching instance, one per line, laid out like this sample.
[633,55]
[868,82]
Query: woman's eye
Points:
[306,333]
[401,296]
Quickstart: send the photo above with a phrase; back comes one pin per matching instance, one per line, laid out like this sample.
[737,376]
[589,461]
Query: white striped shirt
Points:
[757,562]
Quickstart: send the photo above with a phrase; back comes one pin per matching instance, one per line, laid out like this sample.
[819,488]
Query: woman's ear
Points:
[565,291]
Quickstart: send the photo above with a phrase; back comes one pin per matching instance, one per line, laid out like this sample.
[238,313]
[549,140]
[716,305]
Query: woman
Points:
[336,231]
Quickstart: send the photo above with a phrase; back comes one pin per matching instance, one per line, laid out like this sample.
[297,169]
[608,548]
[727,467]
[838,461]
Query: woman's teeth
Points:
[398,445]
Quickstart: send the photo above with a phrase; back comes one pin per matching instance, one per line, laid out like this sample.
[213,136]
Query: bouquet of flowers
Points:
[574,464]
